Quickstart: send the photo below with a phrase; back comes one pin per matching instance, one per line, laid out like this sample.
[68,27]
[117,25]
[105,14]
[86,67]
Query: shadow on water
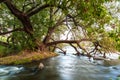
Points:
[67,67]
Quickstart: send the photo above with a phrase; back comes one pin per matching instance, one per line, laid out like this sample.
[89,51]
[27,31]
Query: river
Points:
[68,67]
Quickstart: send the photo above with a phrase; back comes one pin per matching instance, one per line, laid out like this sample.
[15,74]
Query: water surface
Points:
[69,67]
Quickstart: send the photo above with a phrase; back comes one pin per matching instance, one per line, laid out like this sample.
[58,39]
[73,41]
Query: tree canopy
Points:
[44,24]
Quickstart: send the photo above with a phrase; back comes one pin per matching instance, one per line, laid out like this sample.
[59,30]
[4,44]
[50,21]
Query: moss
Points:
[26,60]
[26,57]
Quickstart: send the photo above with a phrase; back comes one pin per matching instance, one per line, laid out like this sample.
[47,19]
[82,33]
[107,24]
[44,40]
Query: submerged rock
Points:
[115,68]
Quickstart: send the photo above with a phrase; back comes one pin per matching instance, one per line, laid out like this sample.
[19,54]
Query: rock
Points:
[41,66]
[115,68]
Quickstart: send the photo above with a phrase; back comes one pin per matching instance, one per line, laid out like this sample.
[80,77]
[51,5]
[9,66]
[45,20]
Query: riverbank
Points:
[26,57]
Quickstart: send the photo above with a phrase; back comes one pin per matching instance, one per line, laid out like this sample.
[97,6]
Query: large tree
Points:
[39,24]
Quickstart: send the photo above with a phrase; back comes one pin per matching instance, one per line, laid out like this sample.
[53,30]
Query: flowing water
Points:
[69,67]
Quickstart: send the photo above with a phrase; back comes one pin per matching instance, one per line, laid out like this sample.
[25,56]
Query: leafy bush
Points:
[2,50]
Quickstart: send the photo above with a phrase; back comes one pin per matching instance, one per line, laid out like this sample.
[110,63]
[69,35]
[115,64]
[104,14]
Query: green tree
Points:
[38,24]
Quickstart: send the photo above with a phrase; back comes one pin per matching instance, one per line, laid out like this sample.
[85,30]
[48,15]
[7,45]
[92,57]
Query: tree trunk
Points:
[21,16]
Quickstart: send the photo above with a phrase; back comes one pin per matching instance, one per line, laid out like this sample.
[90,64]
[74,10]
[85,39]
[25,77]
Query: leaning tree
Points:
[42,24]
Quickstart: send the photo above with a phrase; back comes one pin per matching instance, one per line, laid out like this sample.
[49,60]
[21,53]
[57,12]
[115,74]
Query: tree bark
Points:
[78,53]
[66,41]
[21,16]
[51,31]
[2,1]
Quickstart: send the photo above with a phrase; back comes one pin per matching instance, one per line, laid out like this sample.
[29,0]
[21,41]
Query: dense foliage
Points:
[42,24]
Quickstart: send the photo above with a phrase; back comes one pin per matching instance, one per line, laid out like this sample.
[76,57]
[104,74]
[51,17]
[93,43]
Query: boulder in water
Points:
[41,66]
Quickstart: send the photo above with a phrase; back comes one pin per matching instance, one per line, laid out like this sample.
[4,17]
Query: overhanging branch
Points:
[51,31]
[36,9]
[66,41]
[18,29]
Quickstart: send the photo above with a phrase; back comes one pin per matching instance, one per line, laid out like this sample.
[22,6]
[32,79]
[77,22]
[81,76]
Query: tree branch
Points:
[18,29]
[51,30]
[88,54]
[66,41]
[36,9]
[13,8]
[78,53]
[21,16]
[2,1]
[3,43]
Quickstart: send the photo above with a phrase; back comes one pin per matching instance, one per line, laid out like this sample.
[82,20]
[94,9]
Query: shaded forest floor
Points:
[26,57]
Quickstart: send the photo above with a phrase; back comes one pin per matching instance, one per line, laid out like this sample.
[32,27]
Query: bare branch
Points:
[70,30]
[78,53]
[88,54]
[66,41]
[76,23]
[63,51]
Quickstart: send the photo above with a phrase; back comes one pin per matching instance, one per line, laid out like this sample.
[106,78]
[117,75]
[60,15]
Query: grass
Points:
[21,57]
[26,57]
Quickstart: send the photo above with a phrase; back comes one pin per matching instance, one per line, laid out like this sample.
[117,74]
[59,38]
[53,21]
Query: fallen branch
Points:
[66,41]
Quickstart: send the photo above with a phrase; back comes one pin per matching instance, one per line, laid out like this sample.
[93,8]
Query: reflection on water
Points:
[67,67]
